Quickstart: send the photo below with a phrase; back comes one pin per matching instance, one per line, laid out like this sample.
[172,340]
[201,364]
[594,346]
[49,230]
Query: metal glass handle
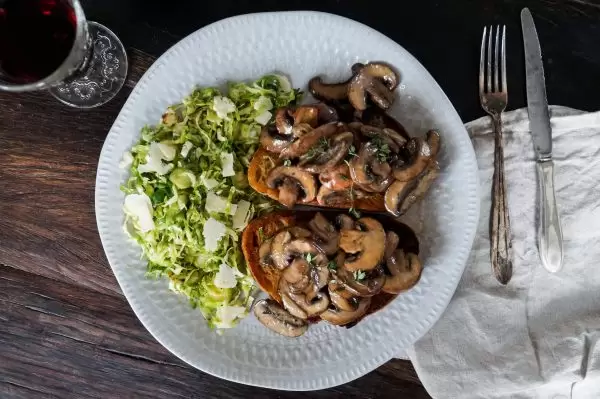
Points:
[550,240]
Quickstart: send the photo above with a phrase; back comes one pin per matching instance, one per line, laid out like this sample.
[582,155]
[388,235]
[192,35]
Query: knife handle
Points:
[550,239]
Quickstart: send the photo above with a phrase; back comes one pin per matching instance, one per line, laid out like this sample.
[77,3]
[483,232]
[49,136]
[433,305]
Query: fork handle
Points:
[550,240]
[501,245]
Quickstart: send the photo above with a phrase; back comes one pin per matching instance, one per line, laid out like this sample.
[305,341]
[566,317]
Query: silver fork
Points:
[494,97]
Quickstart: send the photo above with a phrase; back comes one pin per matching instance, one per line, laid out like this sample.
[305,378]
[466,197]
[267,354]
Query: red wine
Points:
[36,36]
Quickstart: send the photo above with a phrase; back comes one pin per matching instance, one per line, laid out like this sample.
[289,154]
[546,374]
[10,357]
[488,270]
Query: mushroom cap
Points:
[327,237]
[341,298]
[312,305]
[405,271]
[303,144]
[337,149]
[328,91]
[272,140]
[378,80]
[367,244]
[368,172]
[401,195]
[337,178]
[342,317]
[284,121]
[384,72]
[295,177]
[369,286]
[420,154]
[277,319]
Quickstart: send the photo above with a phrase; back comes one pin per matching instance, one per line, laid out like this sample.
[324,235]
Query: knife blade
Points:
[537,102]
[550,239]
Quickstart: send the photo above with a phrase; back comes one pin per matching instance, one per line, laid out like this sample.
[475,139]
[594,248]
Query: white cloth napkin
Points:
[538,337]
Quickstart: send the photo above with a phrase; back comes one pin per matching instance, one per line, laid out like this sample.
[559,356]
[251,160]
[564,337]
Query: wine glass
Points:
[49,45]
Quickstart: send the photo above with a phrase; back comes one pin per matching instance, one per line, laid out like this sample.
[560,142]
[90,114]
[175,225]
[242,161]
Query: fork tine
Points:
[497,60]
[482,62]
[489,62]
[504,88]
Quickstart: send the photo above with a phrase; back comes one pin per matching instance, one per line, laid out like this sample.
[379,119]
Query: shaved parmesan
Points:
[213,232]
[227,165]
[139,208]
[225,277]
[263,118]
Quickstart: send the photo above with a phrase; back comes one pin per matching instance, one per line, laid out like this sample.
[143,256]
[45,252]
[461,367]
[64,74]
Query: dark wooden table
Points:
[66,330]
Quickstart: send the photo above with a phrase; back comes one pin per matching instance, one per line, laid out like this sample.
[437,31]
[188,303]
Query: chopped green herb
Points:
[352,151]
[287,162]
[359,275]
[354,212]
[332,265]
[321,146]
[308,257]
[382,149]
[261,234]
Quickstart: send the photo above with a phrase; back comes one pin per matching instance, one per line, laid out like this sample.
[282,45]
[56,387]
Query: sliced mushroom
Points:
[405,271]
[279,255]
[391,243]
[382,71]
[370,284]
[301,129]
[289,193]
[284,121]
[296,184]
[299,232]
[367,245]
[331,156]
[401,195]
[308,114]
[344,222]
[341,317]
[337,178]
[284,249]
[319,275]
[328,91]
[365,166]
[378,80]
[296,271]
[338,198]
[303,144]
[277,319]
[340,297]
[312,306]
[326,114]
[393,139]
[264,252]
[292,307]
[356,68]
[272,140]
[420,154]
[377,117]
[327,237]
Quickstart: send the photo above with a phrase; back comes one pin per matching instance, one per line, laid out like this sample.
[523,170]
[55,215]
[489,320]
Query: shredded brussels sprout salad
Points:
[188,199]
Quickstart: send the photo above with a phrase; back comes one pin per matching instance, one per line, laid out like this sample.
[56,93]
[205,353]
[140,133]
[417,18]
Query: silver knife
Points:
[550,240]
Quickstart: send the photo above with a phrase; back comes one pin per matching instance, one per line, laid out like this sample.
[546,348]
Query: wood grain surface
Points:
[66,331]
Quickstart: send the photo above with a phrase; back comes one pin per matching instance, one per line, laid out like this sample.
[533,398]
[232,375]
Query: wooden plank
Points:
[63,340]
[48,161]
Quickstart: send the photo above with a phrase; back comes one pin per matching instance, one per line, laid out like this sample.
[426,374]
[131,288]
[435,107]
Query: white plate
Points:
[302,45]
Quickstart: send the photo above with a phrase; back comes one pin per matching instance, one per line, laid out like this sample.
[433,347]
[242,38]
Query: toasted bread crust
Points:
[257,231]
[263,162]
[267,277]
